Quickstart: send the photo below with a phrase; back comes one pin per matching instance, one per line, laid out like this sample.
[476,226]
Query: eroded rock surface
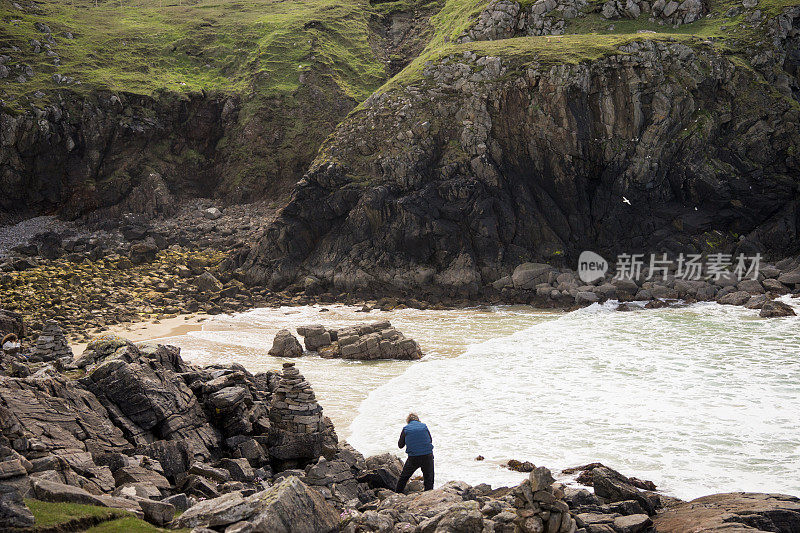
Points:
[734,512]
[531,163]
[378,340]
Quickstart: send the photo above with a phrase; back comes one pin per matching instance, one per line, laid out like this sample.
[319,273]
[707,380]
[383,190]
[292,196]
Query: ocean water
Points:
[699,399]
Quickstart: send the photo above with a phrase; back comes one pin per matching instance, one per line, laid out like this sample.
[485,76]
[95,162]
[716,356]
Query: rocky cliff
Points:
[486,154]
[218,98]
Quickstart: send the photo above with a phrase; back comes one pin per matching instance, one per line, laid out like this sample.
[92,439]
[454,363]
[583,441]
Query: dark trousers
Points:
[425,462]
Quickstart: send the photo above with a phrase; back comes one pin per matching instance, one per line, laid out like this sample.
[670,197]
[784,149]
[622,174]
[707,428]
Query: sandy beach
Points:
[150,330]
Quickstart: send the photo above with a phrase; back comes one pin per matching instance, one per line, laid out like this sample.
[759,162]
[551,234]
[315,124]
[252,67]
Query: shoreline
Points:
[603,495]
[151,330]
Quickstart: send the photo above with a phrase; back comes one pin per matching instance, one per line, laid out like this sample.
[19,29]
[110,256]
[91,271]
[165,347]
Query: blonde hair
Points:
[412,416]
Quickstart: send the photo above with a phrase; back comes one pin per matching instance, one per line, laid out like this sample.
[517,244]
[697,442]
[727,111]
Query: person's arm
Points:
[402,442]
[429,434]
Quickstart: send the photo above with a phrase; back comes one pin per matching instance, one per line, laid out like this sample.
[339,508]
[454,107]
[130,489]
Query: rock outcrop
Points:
[504,19]
[669,12]
[774,308]
[530,162]
[378,340]
[740,512]
[150,401]
[285,345]
[142,426]
[13,511]
[289,507]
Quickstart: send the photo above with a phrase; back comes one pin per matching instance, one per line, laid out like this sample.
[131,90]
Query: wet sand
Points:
[152,330]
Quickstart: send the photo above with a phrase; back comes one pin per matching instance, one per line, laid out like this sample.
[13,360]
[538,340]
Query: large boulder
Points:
[222,511]
[293,507]
[101,347]
[286,345]
[206,282]
[289,507]
[528,275]
[733,512]
[428,504]
[790,278]
[51,491]
[614,487]
[463,517]
[143,252]
[775,308]
[734,298]
[382,471]
[314,336]
[150,401]
[378,340]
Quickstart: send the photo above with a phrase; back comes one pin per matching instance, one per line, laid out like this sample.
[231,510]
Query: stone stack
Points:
[299,434]
[51,344]
[294,405]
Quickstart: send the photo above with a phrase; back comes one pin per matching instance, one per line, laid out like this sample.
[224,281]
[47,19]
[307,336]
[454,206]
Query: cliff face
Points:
[495,153]
[219,98]
[89,153]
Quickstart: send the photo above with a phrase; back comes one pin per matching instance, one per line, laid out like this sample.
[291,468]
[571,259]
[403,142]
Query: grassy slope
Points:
[144,46]
[262,48]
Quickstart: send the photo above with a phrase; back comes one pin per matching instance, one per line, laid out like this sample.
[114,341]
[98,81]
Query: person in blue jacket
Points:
[419,446]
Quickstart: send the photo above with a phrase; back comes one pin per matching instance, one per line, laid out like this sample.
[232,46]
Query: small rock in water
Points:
[286,345]
[776,309]
[520,466]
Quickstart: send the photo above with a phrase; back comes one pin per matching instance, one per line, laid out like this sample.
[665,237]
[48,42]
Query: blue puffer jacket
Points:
[416,438]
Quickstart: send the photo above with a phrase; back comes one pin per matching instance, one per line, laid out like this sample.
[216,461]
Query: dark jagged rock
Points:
[11,322]
[774,308]
[614,487]
[150,402]
[13,511]
[442,204]
[52,415]
[519,466]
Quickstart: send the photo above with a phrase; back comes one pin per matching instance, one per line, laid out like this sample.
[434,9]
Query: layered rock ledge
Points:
[378,340]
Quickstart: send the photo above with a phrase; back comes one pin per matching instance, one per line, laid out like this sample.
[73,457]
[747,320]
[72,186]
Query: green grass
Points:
[144,46]
[265,46]
[48,514]
[105,520]
[588,37]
